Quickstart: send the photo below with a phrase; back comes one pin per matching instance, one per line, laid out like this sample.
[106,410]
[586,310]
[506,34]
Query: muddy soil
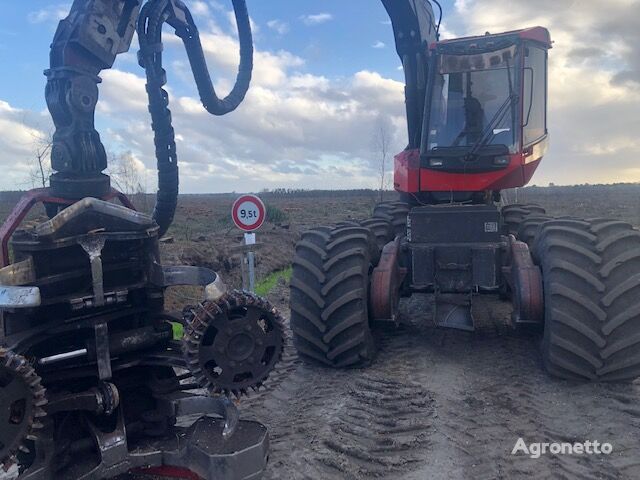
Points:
[443,404]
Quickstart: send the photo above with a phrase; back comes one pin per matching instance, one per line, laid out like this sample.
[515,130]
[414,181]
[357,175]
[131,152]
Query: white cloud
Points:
[279,26]
[378,44]
[200,8]
[316,19]
[21,133]
[445,33]
[52,13]
[462,6]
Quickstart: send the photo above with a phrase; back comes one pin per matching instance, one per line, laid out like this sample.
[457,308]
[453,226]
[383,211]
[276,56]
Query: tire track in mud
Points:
[381,430]
[353,424]
[444,404]
[509,396]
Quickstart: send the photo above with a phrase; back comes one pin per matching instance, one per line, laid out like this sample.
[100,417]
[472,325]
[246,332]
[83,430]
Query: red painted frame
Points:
[167,472]
[31,199]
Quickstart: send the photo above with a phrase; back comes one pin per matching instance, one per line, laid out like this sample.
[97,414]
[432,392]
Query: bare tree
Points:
[129,177]
[41,169]
[125,174]
[381,145]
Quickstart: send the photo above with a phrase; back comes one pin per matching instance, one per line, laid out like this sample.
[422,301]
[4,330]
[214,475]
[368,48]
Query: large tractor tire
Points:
[381,228]
[591,275]
[513,215]
[329,296]
[529,228]
[394,212]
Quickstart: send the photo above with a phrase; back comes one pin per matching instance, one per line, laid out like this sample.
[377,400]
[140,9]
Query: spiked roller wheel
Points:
[233,344]
[22,399]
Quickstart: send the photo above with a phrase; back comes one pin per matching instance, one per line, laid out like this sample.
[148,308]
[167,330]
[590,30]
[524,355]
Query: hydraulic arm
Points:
[414,28]
[89,359]
[87,42]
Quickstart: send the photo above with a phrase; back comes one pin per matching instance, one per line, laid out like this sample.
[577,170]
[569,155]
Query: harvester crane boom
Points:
[87,347]
[88,42]
[414,28]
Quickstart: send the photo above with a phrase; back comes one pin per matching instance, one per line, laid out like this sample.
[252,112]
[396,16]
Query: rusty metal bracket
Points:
[525,280]
[386,281]
[27,202]
[209,449]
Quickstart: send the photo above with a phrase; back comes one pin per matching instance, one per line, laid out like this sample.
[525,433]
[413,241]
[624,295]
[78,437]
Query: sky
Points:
[326,78]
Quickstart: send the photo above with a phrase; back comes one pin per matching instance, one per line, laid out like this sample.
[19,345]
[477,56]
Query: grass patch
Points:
[178,331]
[275,215]
[264,286]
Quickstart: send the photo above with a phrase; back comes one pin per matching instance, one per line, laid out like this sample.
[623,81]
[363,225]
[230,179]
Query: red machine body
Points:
[450,168]
[410,178]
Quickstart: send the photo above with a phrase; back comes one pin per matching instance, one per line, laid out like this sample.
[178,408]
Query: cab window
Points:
[535,94]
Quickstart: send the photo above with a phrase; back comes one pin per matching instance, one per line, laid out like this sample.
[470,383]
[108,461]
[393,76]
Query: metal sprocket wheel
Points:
[22,398]
[233,344]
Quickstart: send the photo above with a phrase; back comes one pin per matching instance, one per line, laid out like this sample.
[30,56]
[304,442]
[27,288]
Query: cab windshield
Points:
[474,101]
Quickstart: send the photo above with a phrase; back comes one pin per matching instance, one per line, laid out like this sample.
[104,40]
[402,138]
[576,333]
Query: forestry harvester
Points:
[477,125]
[92,378]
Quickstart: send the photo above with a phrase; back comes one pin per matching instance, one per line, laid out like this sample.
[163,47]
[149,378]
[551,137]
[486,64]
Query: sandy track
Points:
[443,404]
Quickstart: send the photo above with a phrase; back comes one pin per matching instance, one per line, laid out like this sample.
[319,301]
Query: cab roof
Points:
[537,34]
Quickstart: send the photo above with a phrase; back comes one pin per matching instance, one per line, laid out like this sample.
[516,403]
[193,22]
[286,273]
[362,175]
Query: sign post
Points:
[248,214]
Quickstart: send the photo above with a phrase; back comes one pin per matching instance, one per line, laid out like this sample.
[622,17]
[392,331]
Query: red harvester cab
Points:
[485,122]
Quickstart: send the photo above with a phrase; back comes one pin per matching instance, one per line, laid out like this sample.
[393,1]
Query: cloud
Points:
[462,6]
[200,8]
[278,26]
[53,13]
[379,44]
[316,19]
[21,133]
[445,33]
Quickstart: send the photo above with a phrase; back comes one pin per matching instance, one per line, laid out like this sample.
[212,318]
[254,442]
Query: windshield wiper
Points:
[488,134]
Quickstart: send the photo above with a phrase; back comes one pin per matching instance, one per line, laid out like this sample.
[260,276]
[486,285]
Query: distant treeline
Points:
[586,187]
[299,192]
[14,196]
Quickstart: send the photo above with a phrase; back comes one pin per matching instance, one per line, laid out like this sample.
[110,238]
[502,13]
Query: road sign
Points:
[248,213]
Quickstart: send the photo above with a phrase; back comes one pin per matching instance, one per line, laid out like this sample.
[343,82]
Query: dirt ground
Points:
[443,404]
[438,404]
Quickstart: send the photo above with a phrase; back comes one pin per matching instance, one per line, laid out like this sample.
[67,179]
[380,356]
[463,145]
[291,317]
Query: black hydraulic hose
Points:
[439,19]
[153,16]
[207,92]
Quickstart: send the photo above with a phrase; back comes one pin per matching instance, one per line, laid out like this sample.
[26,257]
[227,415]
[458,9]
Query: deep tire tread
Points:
[395,213]
[591,272]
[514,215]
[329,316]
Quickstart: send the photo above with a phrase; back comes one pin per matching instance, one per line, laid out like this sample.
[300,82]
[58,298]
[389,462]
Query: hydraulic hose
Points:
[153,16]
[208,96]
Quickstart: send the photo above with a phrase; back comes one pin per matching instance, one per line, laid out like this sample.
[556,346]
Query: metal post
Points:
[243,271]
[250,239]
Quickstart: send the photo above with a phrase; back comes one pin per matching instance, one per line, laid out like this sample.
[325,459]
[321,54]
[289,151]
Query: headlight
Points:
[436,162]
[502,160]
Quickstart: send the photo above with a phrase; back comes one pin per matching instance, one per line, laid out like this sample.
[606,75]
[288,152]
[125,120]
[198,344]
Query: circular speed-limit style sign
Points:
[248,213]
